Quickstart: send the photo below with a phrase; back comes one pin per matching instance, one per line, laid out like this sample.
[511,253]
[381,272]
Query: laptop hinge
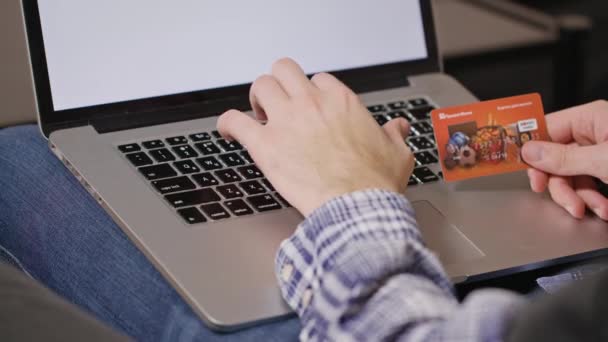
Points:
[124,121]
[380,84]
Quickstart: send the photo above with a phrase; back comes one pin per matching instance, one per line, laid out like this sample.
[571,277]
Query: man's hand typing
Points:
[319,140]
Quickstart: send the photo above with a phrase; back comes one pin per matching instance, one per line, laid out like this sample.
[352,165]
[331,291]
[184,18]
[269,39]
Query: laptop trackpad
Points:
[443,238]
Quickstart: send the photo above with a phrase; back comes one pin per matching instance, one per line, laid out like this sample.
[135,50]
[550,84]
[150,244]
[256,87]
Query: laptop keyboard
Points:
[421,139]
[207,178]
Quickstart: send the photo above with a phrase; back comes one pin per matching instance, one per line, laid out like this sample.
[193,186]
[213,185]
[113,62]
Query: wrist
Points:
[321,198]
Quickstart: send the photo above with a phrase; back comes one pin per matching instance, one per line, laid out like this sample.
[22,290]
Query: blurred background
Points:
[555,47]
[496,48]
[595,47]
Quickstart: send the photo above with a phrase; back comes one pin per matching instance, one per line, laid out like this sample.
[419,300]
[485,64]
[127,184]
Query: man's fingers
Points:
[239,126]
[576,124]
[586,189]
[563,194]
[538,180]
[567,160]
[328,82]
[291,77]
[397,130]
[267,96]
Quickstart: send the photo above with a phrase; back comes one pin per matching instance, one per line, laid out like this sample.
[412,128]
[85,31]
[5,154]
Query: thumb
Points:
[567,160]
[397,130]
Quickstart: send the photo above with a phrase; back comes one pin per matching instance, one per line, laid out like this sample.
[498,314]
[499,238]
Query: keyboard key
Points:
[268,185]
[425,175]
[228,176]
[282,200]
[192,215]
[209,163]
[203,136]
[421,143]
[190,198]
[435,152]
[376,108]
[229,146]
[422,127]
[158,171]
[139,159]
[205,179]
[412,181]
[263,202]
[397,114]
[162,155]
[380,119]
[185,151]
[253,187]
[397,105]
[231,159]
[129,148]
[168,185]
[177,140]
[216,134]
[421,113]
[207,148]
[229,191]
[418,102]
[215,211]
[153,144]
[250,172]
[186,167]
[247,157]
[238,207]
[425,158]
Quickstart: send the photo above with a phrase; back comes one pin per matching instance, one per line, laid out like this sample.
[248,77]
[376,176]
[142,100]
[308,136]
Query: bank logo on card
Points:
[485,138]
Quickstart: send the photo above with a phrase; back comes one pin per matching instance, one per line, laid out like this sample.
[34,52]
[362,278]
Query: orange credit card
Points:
[485,138]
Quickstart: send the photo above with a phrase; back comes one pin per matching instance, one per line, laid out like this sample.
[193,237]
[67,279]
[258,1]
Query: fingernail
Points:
[600,213]
[572,211]
[532,152]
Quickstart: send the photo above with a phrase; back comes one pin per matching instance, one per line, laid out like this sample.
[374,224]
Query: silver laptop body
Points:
[223,268]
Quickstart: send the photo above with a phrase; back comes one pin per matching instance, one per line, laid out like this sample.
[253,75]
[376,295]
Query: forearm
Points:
[357,269]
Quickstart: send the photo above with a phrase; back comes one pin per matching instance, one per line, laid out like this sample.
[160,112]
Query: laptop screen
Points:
[111,51]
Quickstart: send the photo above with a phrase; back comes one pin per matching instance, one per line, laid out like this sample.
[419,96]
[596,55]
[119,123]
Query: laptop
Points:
[128,96]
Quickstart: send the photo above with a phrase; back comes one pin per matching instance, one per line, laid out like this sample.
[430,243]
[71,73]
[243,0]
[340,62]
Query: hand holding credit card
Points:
[485,138]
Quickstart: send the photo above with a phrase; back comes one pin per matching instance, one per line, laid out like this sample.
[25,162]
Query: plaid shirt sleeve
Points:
[356,269]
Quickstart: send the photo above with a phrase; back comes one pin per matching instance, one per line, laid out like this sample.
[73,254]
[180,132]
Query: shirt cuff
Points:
[322,237]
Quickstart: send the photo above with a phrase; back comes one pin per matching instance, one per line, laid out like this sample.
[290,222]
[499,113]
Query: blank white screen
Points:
[109,51]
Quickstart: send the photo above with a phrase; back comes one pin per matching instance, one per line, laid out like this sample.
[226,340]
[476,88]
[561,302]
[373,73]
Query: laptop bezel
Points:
[197,104]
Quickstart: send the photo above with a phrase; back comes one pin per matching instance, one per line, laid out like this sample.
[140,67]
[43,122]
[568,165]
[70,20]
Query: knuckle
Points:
[231,113]
[226,117]
[261,81]
[281,63]
[564,159]
[321,77]
[314,103]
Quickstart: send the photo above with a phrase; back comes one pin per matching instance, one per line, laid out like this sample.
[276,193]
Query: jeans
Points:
[54,231]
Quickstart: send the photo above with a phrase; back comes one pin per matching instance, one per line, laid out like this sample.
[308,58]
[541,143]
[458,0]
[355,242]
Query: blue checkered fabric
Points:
[357,269]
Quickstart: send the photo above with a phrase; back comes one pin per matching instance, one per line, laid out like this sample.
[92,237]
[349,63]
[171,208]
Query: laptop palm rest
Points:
[443,238]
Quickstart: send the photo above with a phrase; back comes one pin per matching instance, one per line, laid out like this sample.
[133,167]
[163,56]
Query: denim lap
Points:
[64,239]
